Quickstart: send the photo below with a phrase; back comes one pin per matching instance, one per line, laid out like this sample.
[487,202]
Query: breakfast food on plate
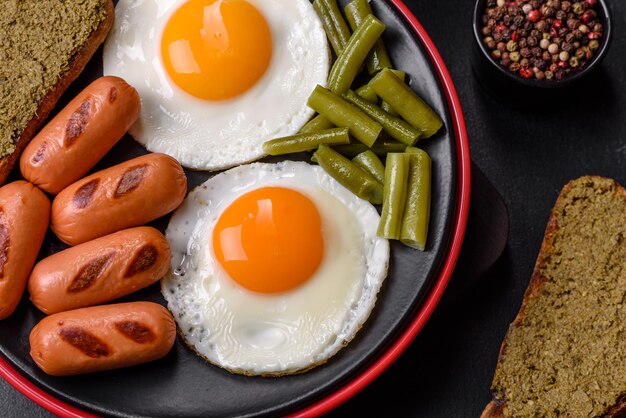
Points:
[356,11]
[564,354]
[416,210]
[371,164]
[275,267]
[102,338]
[390,88]
[402,186]
[252,258]
[80,135]
[385,115]
[342,113]
[349,62]
[218,78]
[24,219]
[99,271]
[45,46]
[406,197]
[350,176]
[129,194]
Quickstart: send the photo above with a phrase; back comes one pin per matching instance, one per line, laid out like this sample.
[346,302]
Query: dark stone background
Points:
[528,151]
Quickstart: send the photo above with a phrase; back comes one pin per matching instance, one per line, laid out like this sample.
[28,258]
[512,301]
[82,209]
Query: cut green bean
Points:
[306,142]
[417,208]
[338,21]
[386,106]
[399,73]
[329,28]
[353,178]
[356,12]
[369,162]
[343,114]
[318,123]
[395,127]
[334,24]
[394,195]
[408,104]
[368,93]
[381,148]
[347,65]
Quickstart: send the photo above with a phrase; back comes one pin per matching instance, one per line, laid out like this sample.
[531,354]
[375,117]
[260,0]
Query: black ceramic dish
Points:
[181,384]
[501,81]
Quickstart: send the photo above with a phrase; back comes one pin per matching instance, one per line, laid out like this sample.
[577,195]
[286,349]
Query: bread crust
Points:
[495,408]
[47,103]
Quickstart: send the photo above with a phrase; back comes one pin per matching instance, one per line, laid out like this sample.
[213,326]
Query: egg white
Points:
[213,135]
[274,334]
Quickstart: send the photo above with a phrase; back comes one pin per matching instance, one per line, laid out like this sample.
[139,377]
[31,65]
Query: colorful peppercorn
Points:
[534,16]
[526,72]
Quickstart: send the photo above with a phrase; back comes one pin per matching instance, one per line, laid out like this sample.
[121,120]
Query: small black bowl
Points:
[498,79]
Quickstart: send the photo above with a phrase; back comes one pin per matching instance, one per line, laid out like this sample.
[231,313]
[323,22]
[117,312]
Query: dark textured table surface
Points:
[528,152]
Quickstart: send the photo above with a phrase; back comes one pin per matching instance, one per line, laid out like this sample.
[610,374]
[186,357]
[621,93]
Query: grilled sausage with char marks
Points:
[102,338]
[99,271]
[129,194]
[24,219]
[81,134]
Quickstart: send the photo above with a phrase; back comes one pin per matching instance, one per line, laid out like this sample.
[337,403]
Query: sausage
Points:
[129,194]
[81,134]
[99,271]
[102,338]
[24,218]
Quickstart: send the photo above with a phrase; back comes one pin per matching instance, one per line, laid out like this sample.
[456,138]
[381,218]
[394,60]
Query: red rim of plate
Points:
[341,395]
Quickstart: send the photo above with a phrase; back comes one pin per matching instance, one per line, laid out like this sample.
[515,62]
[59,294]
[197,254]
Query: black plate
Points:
[181,384]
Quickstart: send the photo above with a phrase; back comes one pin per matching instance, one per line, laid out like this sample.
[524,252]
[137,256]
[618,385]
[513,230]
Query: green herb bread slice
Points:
[565,353]
[44,46]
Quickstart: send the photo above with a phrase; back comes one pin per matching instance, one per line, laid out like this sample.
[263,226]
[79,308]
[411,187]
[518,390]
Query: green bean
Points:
[347,65]
[417,208]
[408,104]
[349,175]
[381,148]
[343,114]
[395,127]
[399,73]
[318,123]
[369,162]
[386,106]
[394,195]
[306,142]
[378,58]
[334,24]
[368,93]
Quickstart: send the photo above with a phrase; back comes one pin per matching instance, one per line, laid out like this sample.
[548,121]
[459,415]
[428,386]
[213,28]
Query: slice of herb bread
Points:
[565,353]
[44,46]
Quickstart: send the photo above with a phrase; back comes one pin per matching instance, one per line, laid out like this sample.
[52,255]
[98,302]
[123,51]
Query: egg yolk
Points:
[269,240]
[216,49]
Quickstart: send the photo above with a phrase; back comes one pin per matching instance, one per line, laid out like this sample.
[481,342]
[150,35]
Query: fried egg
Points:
[275,268]
[217,78]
